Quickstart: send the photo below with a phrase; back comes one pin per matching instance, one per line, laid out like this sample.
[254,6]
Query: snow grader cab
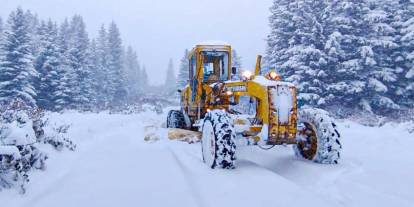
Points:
[232,111]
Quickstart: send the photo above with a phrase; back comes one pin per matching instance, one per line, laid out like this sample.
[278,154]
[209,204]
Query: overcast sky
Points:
[162,29]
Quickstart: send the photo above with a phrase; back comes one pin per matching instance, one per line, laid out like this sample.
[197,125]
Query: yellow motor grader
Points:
[230,110]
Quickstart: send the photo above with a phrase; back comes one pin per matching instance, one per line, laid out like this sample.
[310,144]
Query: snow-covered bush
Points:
[21,131]
[11,168]
[53,134]
[18,151]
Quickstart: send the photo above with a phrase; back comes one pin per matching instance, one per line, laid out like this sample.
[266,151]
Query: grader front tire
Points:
[318,138]
[218,140]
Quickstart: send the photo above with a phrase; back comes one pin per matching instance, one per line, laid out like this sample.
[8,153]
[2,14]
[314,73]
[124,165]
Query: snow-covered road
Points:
[114,166]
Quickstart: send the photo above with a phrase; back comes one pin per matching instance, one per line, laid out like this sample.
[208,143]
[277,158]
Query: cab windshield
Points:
[215,66]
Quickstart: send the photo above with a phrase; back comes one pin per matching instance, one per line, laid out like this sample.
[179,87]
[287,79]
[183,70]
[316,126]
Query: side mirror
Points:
[234,70]
[179,90]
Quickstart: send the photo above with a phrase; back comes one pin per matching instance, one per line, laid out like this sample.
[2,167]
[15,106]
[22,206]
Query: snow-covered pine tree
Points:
[78,60]
[116,78]
[144,78]
[37,45]
[102,51]
[171,79]
[353,54]
[64,36]
[63,93]
[34,23]
[16,61]
[281,29]
[95,72]
[47,65]
[133,72]
[381,40]
[67,77]
[296,46]
[349,58]
[183,76]
[406,86]
[1,28]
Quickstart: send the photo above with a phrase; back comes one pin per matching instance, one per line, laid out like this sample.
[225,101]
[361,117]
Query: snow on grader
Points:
[228,111]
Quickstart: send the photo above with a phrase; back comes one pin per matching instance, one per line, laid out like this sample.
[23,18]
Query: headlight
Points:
[272,75]
[247,75]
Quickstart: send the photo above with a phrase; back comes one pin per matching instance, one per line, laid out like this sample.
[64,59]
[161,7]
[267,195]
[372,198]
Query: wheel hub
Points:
[307,141]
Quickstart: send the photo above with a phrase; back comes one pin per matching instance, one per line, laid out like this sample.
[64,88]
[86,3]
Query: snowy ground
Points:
[114,166]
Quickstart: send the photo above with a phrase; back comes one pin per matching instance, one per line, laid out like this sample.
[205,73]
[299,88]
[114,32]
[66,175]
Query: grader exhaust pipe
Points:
[258,65]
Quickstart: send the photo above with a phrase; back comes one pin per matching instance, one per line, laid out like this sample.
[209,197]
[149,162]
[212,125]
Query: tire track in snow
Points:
[248,175]
[196,195]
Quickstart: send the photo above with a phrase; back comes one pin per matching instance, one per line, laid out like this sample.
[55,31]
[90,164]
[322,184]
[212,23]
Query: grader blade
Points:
[154,133]
[184,135]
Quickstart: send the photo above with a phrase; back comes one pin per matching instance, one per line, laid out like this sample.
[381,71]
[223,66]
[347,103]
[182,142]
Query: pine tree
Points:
[64,37]
[103,76]
[296,46]
[64,96]
[183,76]
[281,31]
[361,47]
[350,58]
[381,39]
[47,65]
[78,60]
[95,72]
[117,89]
[144,77]
[34,23]
[133,72]
[347,53]
[406,75]
[16,68]
[170,80]
[1,28]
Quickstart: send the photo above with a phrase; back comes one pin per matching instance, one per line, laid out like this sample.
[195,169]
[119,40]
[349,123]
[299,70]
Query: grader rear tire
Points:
[218,140]
[318,138]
